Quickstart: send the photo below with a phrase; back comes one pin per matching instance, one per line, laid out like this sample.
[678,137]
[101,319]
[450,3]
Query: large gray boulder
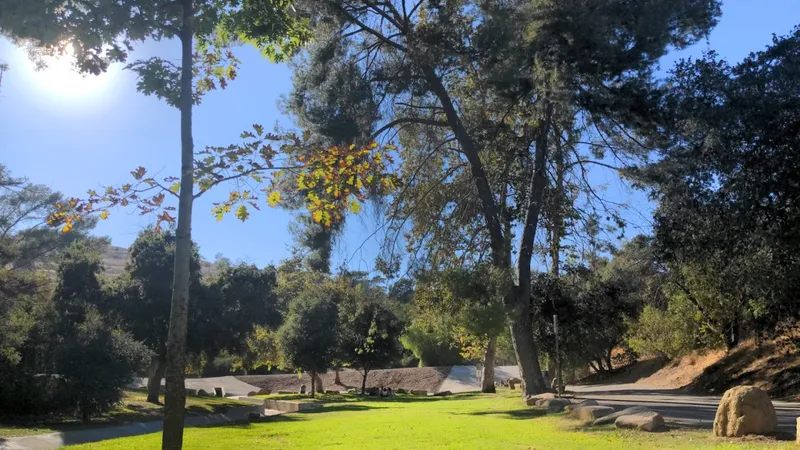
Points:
[644,421]
[611,418]
[581,404]
[745,410]
[591,413]
[553,405]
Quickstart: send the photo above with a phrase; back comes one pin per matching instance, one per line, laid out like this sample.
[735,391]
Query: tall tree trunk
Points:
[527,353]
[336,379]
[318,383]
[364,382]
[313,383]
[487,380]
[522,324]
[175,397]
[85,418]
[609,359]
[518,302]
[155,373]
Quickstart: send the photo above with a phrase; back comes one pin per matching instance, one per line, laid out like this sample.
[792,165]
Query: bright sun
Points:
[61,77]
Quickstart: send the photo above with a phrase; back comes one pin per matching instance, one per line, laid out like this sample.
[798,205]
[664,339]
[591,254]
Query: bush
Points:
[430,347]
[661,333]
[96,363]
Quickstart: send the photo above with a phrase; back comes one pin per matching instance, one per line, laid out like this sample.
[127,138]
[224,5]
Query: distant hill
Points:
[115,258]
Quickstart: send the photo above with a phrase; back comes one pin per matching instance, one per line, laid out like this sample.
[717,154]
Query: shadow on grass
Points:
[518,414]
[340,408]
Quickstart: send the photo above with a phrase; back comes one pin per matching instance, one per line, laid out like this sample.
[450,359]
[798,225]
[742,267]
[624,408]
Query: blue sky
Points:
[74,134]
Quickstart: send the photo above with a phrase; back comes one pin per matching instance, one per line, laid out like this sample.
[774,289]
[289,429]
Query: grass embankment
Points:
[133,408]
[464,421]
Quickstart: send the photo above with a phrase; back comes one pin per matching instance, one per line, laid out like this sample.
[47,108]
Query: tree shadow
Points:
[517,414]
[341,408]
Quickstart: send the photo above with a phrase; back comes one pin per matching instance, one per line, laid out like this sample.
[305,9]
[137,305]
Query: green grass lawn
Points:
[133,408]
[466,421]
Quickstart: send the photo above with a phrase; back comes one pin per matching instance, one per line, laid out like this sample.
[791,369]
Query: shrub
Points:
[96,363]
[430,347]
[661,333]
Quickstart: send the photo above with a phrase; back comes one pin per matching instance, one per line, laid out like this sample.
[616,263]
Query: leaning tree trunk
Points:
[518,303]
[487,383]
[155,373]
[175,397]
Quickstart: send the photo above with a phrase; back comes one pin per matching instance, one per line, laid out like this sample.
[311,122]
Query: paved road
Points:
[677,406]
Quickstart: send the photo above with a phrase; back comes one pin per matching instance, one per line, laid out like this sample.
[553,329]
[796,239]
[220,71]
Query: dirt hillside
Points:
[420,378]
[772,366]
[115,258]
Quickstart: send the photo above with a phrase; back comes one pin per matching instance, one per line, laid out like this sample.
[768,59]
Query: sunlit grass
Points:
[466,421]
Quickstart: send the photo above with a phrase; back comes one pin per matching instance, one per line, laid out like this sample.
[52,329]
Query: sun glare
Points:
[60,77]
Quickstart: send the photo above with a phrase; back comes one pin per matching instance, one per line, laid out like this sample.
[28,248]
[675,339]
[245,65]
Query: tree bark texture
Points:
[155,373]
[175,397]
[487,380]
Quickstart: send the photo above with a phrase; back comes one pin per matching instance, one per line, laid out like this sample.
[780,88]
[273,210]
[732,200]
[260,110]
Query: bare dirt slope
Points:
[772,366]
[115,258]
[418,378]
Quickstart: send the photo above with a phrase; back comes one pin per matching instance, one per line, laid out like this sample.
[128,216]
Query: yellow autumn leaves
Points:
[332,182]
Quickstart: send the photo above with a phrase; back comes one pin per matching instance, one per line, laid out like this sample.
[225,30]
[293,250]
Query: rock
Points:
[513,382]
[401,391]
[553,405]
[332,392]
[192,392]
[265,391]
[572,406]
[286,392]
[644,421]
[611,418]
[798,429]
[591,413]
[535,400]
[219,391]
[441,394]
[203,393]
[418,392]
[252,393]
[351,391]
[745,410]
